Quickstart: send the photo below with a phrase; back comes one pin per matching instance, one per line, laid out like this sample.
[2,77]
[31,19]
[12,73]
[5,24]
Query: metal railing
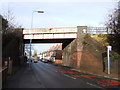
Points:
[96,30]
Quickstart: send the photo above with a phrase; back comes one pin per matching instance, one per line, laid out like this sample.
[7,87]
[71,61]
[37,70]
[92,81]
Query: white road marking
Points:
[55,71]
[69,76]
[95,85]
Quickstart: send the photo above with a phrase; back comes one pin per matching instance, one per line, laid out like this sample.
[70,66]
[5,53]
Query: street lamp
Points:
[31,30]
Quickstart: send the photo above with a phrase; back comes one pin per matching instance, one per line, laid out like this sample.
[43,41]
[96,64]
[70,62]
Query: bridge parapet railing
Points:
[96,30]
[50,30]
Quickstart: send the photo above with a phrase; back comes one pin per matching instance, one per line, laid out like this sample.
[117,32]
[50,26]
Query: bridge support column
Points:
[80,39]
[72,53]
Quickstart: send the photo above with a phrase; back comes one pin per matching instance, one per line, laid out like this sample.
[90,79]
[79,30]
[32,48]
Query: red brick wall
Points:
[70,54]
[58,54]
[58,61]
[86,54]
[89,61]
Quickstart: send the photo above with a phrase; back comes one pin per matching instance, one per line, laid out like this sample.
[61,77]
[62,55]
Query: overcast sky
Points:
[59,13]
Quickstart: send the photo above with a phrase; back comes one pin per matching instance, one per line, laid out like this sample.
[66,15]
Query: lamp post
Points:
[31,31]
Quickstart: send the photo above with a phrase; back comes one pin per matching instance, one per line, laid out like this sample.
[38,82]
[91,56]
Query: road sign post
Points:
[109,48]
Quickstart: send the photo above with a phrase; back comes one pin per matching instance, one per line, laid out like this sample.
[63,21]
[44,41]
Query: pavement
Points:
[102,74]
[23,79]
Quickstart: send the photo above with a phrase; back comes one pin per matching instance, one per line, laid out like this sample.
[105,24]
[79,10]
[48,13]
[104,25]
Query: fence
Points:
[96,30]
[6,68]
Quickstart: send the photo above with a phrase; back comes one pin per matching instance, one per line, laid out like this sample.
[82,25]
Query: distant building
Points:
[44,54]
[55,52]
[40,55]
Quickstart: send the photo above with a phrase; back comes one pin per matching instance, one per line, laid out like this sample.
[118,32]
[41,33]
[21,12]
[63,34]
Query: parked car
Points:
[38,59]
[35,61]
[52,59]
[41,59]
[45,60]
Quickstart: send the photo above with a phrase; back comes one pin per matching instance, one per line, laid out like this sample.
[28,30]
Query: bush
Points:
[115,55]
[114,41]
[101,38]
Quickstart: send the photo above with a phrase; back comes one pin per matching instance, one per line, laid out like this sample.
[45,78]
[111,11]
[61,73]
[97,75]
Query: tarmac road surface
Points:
[45,75]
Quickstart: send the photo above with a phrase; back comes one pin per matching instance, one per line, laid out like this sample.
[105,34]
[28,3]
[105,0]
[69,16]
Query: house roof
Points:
[53,48]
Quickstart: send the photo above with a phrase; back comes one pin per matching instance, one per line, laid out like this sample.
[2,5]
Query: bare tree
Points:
[9,16]
[35,53]
[113,24]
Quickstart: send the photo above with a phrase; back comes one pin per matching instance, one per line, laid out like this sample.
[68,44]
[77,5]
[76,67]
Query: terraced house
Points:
[54,53]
